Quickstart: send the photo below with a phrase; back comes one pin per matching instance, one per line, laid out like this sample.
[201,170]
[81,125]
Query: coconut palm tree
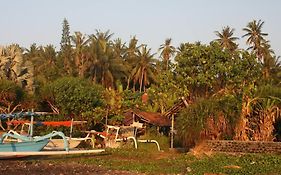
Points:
[131,58]
[226,38]
[267,55]
[103,38]
[119,51]
[167,51]
[48,69]
[80,42]
[144,69]
[99,54]
[106,65]
[119,48]
[33,54]
[255,36]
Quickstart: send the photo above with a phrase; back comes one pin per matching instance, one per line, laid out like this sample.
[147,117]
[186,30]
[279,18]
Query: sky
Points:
[152,21]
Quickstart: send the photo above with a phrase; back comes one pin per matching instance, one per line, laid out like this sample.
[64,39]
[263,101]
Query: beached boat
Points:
[31,146]
[59,143]
[55,143]
[24,146]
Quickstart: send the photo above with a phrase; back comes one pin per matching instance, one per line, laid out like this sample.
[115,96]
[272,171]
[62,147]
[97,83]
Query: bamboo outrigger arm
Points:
[150,141]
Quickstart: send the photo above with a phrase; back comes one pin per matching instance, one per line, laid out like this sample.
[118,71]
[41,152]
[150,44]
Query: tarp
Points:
[48,123]
[19,115]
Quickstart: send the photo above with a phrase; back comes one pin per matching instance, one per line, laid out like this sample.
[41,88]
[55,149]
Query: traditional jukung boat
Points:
[55,144]
[30,146]
[24,146]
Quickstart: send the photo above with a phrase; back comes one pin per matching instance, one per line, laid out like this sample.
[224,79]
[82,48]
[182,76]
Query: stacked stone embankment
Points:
[242,146]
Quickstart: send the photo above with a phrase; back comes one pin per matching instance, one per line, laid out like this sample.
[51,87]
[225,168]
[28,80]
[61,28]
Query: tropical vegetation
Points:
[234,93]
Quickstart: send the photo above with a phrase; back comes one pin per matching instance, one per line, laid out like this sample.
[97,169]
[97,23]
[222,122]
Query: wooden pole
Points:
[106,117]
[172,131]
[71,128]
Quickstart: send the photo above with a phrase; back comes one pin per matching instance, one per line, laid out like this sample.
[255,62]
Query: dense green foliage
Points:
[11,97]
[73,95]
[106,77]
[165,93]
[207,69]
[213,118]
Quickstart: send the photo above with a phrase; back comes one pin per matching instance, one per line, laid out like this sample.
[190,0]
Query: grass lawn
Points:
[165,162]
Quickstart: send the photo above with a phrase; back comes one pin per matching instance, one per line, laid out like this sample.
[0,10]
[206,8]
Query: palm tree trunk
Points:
[141,80]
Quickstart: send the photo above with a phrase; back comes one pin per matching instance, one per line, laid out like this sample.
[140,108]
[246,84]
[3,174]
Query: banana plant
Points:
[14,67]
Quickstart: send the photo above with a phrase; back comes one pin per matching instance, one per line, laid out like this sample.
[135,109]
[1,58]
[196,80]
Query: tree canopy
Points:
[97,76]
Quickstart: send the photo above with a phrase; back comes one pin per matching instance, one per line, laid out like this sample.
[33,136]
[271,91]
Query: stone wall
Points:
[242,146]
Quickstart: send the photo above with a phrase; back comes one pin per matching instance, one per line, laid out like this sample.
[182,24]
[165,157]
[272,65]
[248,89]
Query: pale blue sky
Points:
[152,21]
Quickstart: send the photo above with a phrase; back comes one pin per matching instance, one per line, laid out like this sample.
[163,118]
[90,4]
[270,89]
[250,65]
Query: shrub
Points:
[11,95]
[73,95]
[212,118]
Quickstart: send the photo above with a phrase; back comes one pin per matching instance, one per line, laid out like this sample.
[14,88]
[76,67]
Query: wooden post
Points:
[71,128]
[106,117]
[133,117]
[172,132]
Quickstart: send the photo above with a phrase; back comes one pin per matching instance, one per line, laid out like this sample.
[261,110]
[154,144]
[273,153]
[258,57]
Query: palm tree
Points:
[119,48]
[33,54]
[49,54]
[167,51]
[266,54]
[99,49]
[48,68]
[226,38]
[255,36]
[106,65]
[131,58]
[80,42]
[103,38]
[119,51]
[144,69]
[181,48]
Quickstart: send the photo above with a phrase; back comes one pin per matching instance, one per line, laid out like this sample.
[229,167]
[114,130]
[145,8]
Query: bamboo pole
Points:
[71,128]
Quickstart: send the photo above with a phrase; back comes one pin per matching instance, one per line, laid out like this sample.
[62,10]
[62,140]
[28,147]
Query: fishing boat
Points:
[55,143]
[24,146]
[31,146]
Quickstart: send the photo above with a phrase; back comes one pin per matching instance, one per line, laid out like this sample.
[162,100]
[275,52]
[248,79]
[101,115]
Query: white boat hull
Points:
[46,153]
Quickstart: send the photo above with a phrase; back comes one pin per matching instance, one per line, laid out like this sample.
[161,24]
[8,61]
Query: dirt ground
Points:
[27,167]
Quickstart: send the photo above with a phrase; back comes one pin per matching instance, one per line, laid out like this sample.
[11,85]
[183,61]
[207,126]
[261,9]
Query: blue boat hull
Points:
[31,146]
